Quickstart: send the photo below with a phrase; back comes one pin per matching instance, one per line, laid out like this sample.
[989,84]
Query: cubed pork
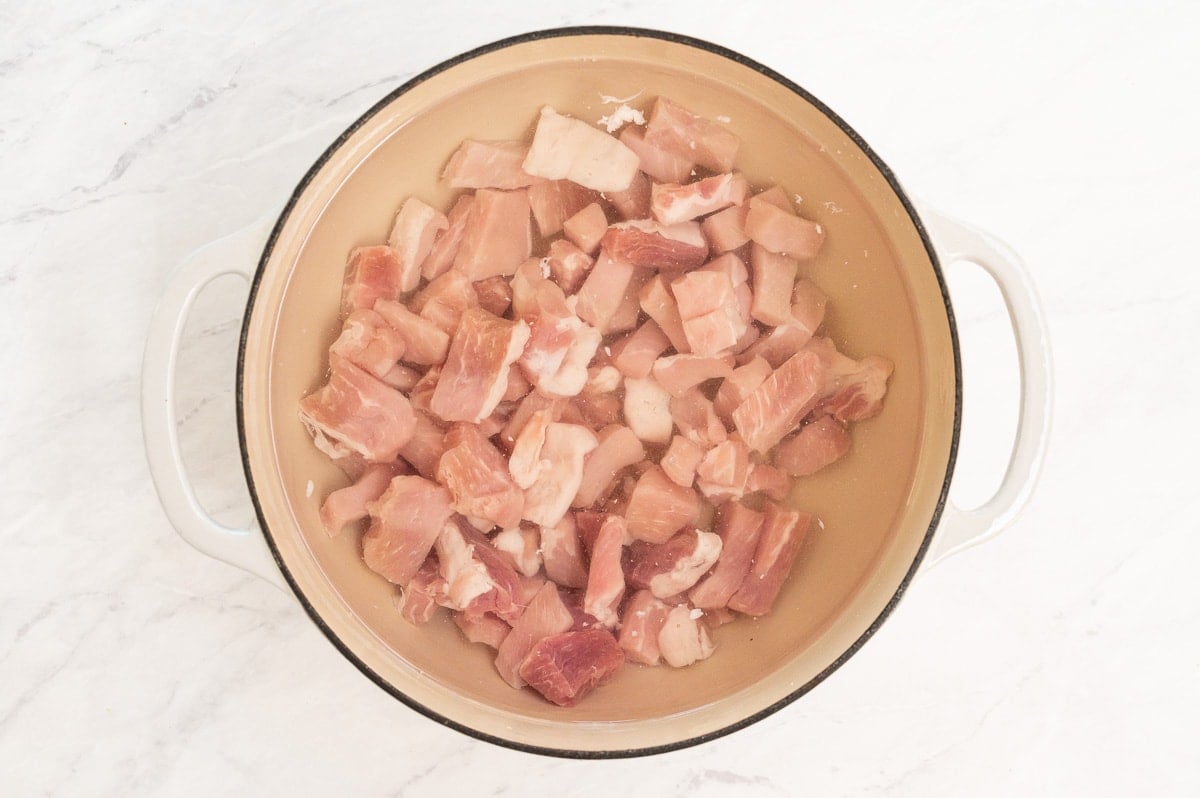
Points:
[634,355]
[569,265]
[369,342]
[497,237]
[475,375]
[739,528]
[660,164]
[659,303]
[443,301]
[668,569]
[684,639]
[548,499]
[419,600]
[348,505]
[818,443]
[618,448]
[641,622]
[405,522]
[412,236]
[478,579]
[726,230]
[680,460]
[488,164]
[780,402]
[778,544]
[647,408]
[724,471]
[425,344]
[485,628]
[555,201]
[783,232]
[566,667]
[606,578]
[709,311]
[372,273]
[672,203]
[679,373]
[774,279]
[585,229]
[651,245]
[696,420]
[447,243]
[562,554]
[476,474]
[355,412]
[569,148]
[677,130]
[546,615]
[658,508]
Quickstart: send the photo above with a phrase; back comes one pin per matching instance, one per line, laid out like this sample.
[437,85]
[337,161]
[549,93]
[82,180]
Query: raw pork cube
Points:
[606,579]
[443,301]
[546,615]
[555,201]
[347,505]
[521,546]
[726,230]
[677,130]
[526,463]
[585,229]
[739,528]
[478,579]
[355,412]
[855,389]
[651,245]
[446,245]
[659,303]
[565,447]
[368,342]
[488,164]
[647,410]
[684,639]
[476,474]
[774,279]
[475,375]
[372,273]
[739,385]
[618,449]
[417,602]
[724,471]
[486,628]
[815,446]
[672,203]
[425,344]
[603,292]
[769,481]
[564,668]
[495,295]
[678,373]
[560,345]
[777,346]
[413,232]
[424,449]
[658,508]
[680,461]
[780,402]
[572,149]
[633,202]
[668,569]
[663,166]
[708,308]
[643,619]
[497,237]
[634,355]
[783,232]
[775,195]
[569,265]
[808,306]
[782,533]
[405,522]
[562,554]
[696,420]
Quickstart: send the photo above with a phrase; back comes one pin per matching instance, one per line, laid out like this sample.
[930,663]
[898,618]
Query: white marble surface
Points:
[1062,658]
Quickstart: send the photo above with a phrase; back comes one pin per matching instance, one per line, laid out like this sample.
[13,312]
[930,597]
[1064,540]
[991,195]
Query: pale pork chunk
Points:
[626,315]
[774,279]
[680,460]
[640,624]
[651,245]
[425,592]
[658,508]
[516,390]
[497,236]
[532,403]
[478,579]
[413,232]
[425,344]
[446,244]
[726,230]
[780,402]
[709,311]
[672,203]
[560,345]
[780,231]
[633,202]
[486,628]
[572,149]
[372,273]
[347,505]
[475,374]
[569,265]
[659,303]
[663,166]
[400,377]
[405,522]
[355,412]
[443,301]
[597,411]
[495,295]
[424,449]
[606,579]
[586,228]
[778,544]
[602,380]
[562,554]
[775,195]
[634,355]
[738,385]
[565,447]
[546,615]
[618,449]
[679,373]
[696,420]
[769,481]
[668,569]
[739,528]
[603,291]
[677,130]
[555,201]
[564,668]
[808,306]
[859,390]
[684,639]
[777,346]
[488,164]
[724,470]
[647,409]
[368,342]
[525,464]
[476,474]
[818,443]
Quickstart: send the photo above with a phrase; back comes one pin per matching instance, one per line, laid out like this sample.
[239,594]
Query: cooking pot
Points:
[884,507]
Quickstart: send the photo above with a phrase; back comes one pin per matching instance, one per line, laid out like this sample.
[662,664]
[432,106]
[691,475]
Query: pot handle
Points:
[244,548]
[960,529]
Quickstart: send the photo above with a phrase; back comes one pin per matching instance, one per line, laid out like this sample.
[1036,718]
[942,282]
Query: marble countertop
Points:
[1061,658]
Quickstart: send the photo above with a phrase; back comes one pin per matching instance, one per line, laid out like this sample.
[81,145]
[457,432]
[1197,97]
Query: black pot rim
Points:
[591,30]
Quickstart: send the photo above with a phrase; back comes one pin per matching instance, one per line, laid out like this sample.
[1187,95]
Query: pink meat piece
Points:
[634,355]
[569,265]
[780,402]
[684,639]
[677,130]
[526,464]
[778,544]
[739,528]
[651,245]
[585,229]
[443,301]
[531,404]
[726,230]
[425,344]
[495,295]
[774,279]
[672,203]
[517,389]
[478,579]
[658,508]
[738,386]
[668,569]
[627,313]
[422,392]
[418,601]
[663,166]
[368,342]
[446,244]
[476,474]
[783,232]
[560,345]
[402,378]
[597,411]
[643,619]
[348,505]
[546,615]
[602,379]
[606,579]
[618,449]
[679,373]
[769,481]
[709,311]
[603,291]
[647,410]
[724,471]
[562,554]
[372,273]
[488,164]
[565,447]
[819,443]
[555,201]
[775,195]
[855,388]
[659,303]
[486,629]
[808,306]
[413,232]
[564,668]
[731,266]
[424,449]
[405,522]
[567,148]
[696,420]
[497,237]
[633,202]
[355,412]
[587,527]
[680,461]
[777,346]
[475,375]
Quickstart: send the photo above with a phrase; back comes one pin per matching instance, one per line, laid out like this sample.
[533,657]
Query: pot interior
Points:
[877,504]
